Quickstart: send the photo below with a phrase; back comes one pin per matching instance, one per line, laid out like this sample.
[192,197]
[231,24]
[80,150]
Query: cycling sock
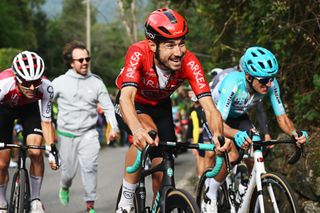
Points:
[128,190]
[35,183]
[3,200]
[214,186]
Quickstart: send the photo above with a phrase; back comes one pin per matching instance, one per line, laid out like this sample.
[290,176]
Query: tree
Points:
[6,57]
[18,28]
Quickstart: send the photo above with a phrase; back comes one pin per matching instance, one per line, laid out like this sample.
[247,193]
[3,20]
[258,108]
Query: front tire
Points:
[180,201]
[20,194]
[285,198]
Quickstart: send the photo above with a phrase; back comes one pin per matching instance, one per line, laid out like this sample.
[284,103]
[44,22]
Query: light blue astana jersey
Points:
[233,99]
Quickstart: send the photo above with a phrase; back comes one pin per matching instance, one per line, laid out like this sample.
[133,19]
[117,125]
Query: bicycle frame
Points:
[167,168]
[22,167]
[254,180]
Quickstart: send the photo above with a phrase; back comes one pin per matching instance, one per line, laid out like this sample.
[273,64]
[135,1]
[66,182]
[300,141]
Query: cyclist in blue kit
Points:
[234,95]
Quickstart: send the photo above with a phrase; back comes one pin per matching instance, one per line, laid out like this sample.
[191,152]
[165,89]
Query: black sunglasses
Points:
[264,80]
[82,59]
[27,84]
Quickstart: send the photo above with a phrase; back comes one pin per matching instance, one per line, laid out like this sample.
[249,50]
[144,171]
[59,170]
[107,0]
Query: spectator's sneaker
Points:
[64,196]
[91,210]
[127,209]
[36,206]
[90,206]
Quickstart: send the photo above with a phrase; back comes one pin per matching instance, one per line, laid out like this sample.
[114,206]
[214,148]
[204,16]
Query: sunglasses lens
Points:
[28,84]
[82,59]
[265,80]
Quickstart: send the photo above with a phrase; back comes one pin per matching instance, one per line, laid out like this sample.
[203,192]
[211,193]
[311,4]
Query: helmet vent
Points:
[163,29]
[269,63]
[262,52]
[262,65]
[170,16]
[252,67]
[253,54]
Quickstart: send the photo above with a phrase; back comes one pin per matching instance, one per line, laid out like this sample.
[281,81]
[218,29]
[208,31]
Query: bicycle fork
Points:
[255,180]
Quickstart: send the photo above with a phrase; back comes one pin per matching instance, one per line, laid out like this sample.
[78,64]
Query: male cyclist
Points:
[154,69]
[26,95]
[239,91]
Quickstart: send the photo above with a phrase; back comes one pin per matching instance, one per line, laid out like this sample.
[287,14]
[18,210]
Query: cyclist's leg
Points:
[31,123]
[243,123]
[88,151]
[6,127]
[130,181]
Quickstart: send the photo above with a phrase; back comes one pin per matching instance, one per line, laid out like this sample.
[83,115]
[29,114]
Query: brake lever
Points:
[298,152]
[221,140]
[153,135]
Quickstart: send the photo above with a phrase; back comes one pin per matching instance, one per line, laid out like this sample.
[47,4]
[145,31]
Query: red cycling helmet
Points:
[165,24]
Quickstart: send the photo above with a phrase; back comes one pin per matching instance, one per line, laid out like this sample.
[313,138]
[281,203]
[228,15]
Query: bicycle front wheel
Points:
[278,196]
[19,193]
[223,195]
[180,201]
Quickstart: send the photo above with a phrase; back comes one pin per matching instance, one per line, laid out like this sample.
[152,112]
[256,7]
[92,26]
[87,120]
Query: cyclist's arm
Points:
[213,118]
[283,120]
[227,92]
[285,123]
[129,115]
[48,132]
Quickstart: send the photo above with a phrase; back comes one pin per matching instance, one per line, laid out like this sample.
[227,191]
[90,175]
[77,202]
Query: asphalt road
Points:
[110,173]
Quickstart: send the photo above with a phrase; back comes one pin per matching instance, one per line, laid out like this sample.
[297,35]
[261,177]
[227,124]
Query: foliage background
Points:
[219,32]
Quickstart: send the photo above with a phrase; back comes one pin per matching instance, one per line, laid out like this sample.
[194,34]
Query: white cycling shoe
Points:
[209,205]
[36,206]
[3,210]
[127,209]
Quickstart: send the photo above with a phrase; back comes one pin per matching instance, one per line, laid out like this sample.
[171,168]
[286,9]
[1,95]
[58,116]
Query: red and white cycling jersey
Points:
[11,96]
[139,72]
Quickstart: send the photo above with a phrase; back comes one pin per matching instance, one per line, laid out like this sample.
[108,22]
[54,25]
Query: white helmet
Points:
[28,66]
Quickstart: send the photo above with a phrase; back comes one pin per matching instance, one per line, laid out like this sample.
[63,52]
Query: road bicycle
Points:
[263,192]
[20,190]
[168,198]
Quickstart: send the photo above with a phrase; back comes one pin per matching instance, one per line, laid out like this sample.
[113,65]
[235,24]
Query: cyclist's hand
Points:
[242,139]
[113,135]
[225,148]
[302,139]
[53,158]
[141,138]
[267,137]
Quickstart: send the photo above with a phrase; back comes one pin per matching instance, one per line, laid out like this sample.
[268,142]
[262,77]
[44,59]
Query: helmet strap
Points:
[250,81]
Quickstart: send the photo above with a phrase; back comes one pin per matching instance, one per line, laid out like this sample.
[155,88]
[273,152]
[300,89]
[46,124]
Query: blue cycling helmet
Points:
[259,62]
